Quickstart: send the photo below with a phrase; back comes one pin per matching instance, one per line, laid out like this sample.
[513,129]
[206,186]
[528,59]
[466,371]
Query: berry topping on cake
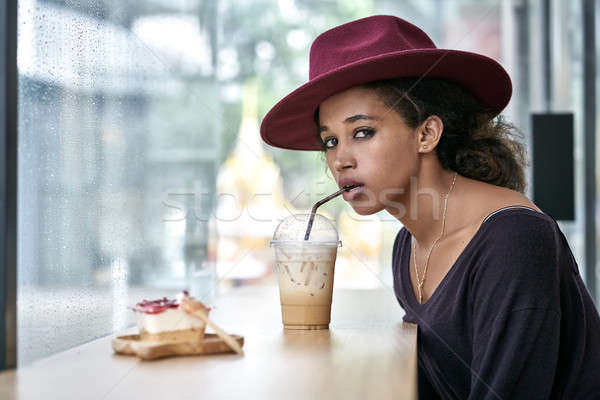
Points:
[160,305]
[155,306]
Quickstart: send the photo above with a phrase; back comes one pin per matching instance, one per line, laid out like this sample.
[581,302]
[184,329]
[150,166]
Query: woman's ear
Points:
[429,133]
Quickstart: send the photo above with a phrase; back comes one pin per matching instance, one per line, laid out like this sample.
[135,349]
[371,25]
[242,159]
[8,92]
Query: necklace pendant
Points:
[420,290]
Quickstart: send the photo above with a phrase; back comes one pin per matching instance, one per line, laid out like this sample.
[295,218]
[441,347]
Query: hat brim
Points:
[290,124]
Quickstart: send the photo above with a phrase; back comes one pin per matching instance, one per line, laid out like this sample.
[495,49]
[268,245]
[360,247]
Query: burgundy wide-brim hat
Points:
[370,49]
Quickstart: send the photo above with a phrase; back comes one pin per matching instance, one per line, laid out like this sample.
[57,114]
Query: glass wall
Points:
[141,169]
[118,111]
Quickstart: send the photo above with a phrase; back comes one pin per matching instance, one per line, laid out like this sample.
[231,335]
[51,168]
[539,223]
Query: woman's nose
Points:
[344,158]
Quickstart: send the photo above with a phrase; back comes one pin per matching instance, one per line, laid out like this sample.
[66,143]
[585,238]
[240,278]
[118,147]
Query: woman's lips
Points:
[353,193]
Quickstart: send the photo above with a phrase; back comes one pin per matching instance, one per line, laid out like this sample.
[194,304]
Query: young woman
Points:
[488,277]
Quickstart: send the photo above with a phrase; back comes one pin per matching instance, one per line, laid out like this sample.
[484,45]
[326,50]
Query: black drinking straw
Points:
[319,204]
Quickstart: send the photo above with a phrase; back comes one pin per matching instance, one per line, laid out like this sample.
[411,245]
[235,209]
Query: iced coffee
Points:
[305,270]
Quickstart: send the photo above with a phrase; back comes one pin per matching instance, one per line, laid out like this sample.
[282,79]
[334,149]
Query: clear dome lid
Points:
[293,229]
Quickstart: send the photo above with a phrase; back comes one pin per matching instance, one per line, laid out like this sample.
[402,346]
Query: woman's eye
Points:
[364,132]
[330,142]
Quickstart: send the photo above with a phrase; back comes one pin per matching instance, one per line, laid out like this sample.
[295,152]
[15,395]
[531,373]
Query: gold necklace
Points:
[420,282]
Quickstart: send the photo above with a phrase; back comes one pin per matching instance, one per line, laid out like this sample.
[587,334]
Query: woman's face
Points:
[368,143]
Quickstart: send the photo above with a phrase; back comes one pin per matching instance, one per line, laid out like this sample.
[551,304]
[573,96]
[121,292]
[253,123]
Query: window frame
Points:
[8,184]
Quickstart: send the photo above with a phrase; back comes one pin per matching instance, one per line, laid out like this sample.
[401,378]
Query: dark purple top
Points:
[511,319]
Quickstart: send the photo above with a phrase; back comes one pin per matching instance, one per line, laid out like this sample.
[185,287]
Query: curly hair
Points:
[474,143]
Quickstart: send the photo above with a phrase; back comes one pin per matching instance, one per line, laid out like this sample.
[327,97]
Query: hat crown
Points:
[364,38]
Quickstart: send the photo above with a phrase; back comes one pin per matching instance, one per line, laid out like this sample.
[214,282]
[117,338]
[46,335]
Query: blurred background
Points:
[141,168]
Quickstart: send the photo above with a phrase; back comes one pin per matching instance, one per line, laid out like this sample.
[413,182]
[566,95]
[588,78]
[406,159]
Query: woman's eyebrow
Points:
[352,119]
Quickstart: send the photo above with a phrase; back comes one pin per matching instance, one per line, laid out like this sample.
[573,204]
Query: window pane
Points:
[117,122]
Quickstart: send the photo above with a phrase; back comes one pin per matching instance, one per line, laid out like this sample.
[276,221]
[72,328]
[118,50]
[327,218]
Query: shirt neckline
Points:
[405,268]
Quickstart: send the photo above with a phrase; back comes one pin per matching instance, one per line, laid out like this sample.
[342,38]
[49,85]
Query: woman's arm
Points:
[517,357]
[516,313]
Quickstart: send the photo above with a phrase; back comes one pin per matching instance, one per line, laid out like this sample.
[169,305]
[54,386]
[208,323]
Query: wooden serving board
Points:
[146,350]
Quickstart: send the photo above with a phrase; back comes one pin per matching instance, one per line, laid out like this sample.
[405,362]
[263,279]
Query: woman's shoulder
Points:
[521,258]
[481,197]
[519,243]
[518,224]
[510,230]
[500,210]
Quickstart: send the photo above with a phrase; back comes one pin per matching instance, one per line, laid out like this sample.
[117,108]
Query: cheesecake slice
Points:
[163,320]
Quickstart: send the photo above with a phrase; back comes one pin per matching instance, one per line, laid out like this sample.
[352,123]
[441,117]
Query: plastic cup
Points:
[305,270]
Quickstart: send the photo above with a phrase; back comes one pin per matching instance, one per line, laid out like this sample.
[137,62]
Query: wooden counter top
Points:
[368,353]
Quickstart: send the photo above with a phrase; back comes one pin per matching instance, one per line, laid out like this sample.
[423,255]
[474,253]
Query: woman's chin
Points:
[364,210]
